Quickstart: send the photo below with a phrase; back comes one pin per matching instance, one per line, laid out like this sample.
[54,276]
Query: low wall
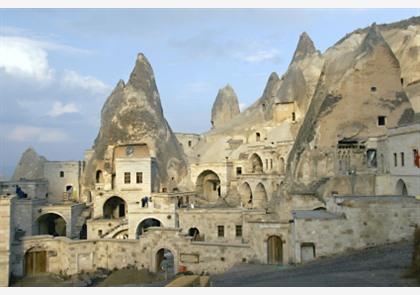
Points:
[74,256]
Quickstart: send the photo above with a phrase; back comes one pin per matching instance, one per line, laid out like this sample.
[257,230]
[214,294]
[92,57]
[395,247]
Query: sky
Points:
[58,66]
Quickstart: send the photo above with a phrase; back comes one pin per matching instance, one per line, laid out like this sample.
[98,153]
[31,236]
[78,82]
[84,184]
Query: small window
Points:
[189,143]
[127,177]
[61,173]
[258,136]
[395,160]
[271,163]
[238,170]
[402,81]
[381,120]
[100,232]
[238,231]
[220,231]
[402,159]
[293,116]
[139,177]
[373,89]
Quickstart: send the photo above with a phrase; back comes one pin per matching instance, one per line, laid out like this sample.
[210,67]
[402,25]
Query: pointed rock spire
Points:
[304,47]
[293,87]
[133,114]
[225,107]
[270,88]
[31,166]
[372,39]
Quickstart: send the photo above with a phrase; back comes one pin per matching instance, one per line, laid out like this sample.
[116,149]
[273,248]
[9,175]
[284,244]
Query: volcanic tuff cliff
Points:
[358,84]
[31,166]
[225,106]
[133,114]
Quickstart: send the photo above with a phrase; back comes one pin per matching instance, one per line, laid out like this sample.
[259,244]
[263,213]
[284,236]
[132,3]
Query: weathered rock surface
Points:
[133,114]
[365,78]
[225,107]
[304,48]
[31,166]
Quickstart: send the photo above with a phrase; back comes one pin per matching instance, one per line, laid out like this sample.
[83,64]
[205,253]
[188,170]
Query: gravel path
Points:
[381,266]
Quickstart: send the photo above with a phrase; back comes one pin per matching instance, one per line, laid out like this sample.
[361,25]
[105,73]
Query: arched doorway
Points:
[99,177]
[256,164]
[246,195]
[115,208]
[35,262]
[145,224]
[260,196]
[51,224]
[165,262]
[401,188]
[194,233]
[208,185]
[274,250]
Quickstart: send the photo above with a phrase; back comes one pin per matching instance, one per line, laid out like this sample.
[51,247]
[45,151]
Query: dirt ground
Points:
[383,266]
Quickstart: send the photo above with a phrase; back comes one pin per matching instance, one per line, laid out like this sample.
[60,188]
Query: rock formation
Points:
[365,78]
[31,166]
[225,107]
[133,114]
[304,48]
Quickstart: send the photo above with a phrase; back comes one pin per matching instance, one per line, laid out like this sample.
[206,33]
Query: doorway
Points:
[35,262]
[274,250]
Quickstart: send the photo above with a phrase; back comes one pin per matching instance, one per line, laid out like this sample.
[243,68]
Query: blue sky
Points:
[58,66]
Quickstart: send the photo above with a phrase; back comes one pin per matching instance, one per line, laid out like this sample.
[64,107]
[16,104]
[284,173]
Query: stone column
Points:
[6,225]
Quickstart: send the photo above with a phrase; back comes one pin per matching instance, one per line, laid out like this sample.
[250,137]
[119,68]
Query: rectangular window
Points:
[139,177]
[402,159]
[395,160]
[61,173]
[127,177]
[293,116]
[381,120]
[238,231]
[220,231]
[238,170]
[189,143]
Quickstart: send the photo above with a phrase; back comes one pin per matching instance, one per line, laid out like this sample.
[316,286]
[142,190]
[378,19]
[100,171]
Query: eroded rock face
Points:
[31,166]
[358,85]
[225,107]
[133,114]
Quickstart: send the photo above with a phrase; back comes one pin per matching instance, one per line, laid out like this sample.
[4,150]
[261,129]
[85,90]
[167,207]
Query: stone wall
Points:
[369,221]
[6,234]
[73,256]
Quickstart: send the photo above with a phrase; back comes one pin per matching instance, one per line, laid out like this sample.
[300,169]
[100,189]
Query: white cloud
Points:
[74,80]
[262,55]
[22,57]
[59,109]
[38,134]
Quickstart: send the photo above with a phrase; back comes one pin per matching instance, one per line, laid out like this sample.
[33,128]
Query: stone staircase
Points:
[112,231]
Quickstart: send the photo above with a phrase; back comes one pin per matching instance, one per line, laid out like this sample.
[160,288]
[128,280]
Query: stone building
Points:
[325,161]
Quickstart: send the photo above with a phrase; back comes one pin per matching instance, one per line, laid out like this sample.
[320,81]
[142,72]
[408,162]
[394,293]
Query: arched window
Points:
[257,136]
